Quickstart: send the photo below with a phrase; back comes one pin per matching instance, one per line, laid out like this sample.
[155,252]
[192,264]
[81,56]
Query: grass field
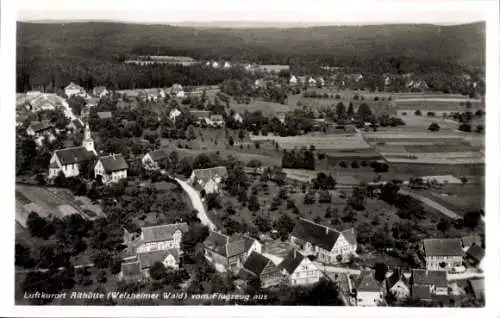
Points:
[320,142]
[438,104]
[267,108]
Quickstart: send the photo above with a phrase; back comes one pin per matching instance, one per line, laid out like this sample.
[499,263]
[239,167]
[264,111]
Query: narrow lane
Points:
[195,198]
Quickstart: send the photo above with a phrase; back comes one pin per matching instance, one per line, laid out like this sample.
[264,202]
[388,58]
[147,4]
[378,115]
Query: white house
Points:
[293,80]
[177,91]
[426,283]
[41,132]
[174,113]
[237,118]
[151,160]
[216,120]
[69,160]
[326,244]
[398,285]
[368,290]
[297,269]
[258,265]
[158,237]
[74,89]
[208,180]
[111,168]
[443,254]
[138,268]
[227,65]
[311,81]
[100,91]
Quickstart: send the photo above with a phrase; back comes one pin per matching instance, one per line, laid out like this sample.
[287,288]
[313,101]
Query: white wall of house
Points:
[368,298]
[170,262]
[433,262]
[342,247]
[175,242]
[305,274]
[256,247]
[400,290]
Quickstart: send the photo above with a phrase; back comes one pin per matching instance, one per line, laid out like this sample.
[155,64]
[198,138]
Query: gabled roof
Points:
[443,247]
[114,162]
[77,123]
[104,115]
[248,242]
[366,282]
[320,235]
[429,277]
[73,86]
[147,259]
[224,245]
[73,155]
[99,89]
[207,174]
[475,251]
[200,113]
[164,232]
[234,248]
[477,286]
[131,268]
[421,292]
[396,277]
[256,263]
[471,239]
[40,126]
[291,261]
[157,155]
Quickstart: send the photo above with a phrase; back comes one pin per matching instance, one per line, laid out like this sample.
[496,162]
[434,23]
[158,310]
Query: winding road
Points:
[195,198]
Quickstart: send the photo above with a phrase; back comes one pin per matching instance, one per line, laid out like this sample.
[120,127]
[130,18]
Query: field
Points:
[320,142]
[378,107]
[267,108]
[51,202]
[441,104]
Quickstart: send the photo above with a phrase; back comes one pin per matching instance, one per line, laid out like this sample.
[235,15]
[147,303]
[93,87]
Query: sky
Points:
[277,11]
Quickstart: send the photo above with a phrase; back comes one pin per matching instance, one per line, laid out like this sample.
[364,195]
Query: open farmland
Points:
[320,142]
[438,104]
[267,108]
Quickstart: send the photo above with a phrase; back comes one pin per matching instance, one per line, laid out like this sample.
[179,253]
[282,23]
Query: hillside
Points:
[106,41]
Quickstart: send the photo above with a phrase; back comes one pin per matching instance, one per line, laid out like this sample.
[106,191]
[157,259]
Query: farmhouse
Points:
[138,269]
[100,91]
[467,241]
[430,282]
[474,254]
[326,244]
[158,237]
[208,180]
[398,285]
[177,90]
[174,113]
[74,89]
[257,265]
[216,120]
[293,80]
[69,160]
[443,254]
[151,160]
[201,116]
[111,168]
[368,290]
[41,131]
[228,253]
[297,269]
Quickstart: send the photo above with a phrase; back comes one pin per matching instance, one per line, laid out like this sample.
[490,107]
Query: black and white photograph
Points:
[186,157]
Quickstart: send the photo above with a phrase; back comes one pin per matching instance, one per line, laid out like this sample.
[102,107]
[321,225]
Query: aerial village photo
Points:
[204,164]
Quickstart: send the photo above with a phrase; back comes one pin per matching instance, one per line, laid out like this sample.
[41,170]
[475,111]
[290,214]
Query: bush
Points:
[431,114]
[434,127]
[479,129]
[418,113]
[364,163]
[354,164]
[343,164]
[465,127]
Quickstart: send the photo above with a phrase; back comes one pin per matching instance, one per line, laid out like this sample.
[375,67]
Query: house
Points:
[226,253]
[41,132]
[76,125]
[39,102]
[467,241]
[177,90]
[74,89]
[260,83]
[157,237]
[281,117]
[174,113]
[92,102]
[326,244]
[477,287]
[69,160]
[238,118]
[368,290]
[152,159]
[443,254]
[111,168]
[398,285]
[311,82]
[227,65]
[474,254]
[216,120]
[297,269]
[421,292]
[257,265]
[293,80]
[208,180]
[201,116]
[138,269]
[104,115]
[436,281]
[100,91]
[130,272]
[320,82]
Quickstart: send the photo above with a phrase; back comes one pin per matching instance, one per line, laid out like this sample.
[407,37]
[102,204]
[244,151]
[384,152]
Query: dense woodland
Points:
[51,55]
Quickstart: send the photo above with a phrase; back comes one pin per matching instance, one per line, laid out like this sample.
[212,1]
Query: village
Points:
[285,182]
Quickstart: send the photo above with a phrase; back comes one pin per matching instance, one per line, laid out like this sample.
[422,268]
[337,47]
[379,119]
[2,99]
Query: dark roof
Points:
[421,292]
[130,269]
[477,286]
[77,123]
[98,90]
[40,126]
[147,259]
[157,154]
[291,261]
[224,245]
[248,242]
[206,174]
[235,248]
[443,247]
[164,232]
[113,163]
[396,277]
[476,252]
[73,155]
[256,263]
[366,282]
[200,113]
[320,235]
[471,239]
[429,277]
[104,115]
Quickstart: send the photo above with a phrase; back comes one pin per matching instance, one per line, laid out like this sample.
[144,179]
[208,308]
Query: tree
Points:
[479,129]
[23,256]
[76,103]
[253,203]
[231,141]
[434,127]
[310,198]
[357,199]
[39,226]
[102,259]
[443,225]
[365,113]
[350,110]
[262,224]
[157,271]
[465,127]
[340,110]
[284,225]
[472,219]
[418,112]
[380,271]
